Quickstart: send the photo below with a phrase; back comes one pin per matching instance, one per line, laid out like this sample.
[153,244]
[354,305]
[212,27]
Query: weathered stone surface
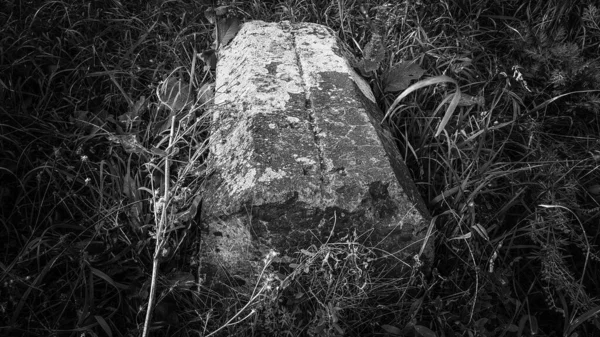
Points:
[298,154]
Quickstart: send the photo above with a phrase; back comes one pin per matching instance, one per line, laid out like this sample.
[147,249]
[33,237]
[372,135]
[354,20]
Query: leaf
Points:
[424,331]
[414,307]
[481,231]
[221,10]
[189,213]
[129,143]
[174,93]
[137,210]
[108,279]
[462,237]
[134,112]
[400,75]
[367,66]
[306,252]
[206,93]
[576,322]
[181,279]
[227,29]
[425,83]
[362,85]
[594,189]
[130,187]
[209,57]
[211,13]
[158,152]
[534,324]
[468,100]
[391,329]
[104,325]
[137,106]
[480,323]
[339,329]
[374,51]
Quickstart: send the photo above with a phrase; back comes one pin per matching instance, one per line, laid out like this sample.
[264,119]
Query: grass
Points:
[100,180]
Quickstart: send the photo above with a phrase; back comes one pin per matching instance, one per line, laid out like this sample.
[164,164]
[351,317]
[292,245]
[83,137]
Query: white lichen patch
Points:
[232,150]
[233,241]
[243,182]
[289,76]
[269,175]
[316,55]
[305,161]
[293,120]
[328,163]
[270,75]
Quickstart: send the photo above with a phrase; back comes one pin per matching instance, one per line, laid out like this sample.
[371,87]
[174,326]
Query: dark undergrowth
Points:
[103,115]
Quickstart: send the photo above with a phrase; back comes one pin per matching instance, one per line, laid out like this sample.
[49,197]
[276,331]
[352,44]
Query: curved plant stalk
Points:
[424,83]
[159,234]
[575,322]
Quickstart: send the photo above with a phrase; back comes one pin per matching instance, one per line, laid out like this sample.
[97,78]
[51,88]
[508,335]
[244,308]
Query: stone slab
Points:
[298,154]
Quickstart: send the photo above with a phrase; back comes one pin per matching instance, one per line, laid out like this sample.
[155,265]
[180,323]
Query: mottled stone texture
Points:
[299,156]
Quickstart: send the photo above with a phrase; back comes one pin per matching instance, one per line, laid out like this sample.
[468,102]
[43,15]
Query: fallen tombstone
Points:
[299,157]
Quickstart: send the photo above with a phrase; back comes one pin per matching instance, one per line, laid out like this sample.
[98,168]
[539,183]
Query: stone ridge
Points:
[298,155]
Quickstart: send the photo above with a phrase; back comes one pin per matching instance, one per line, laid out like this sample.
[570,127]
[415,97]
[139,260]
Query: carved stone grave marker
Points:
[299,156]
